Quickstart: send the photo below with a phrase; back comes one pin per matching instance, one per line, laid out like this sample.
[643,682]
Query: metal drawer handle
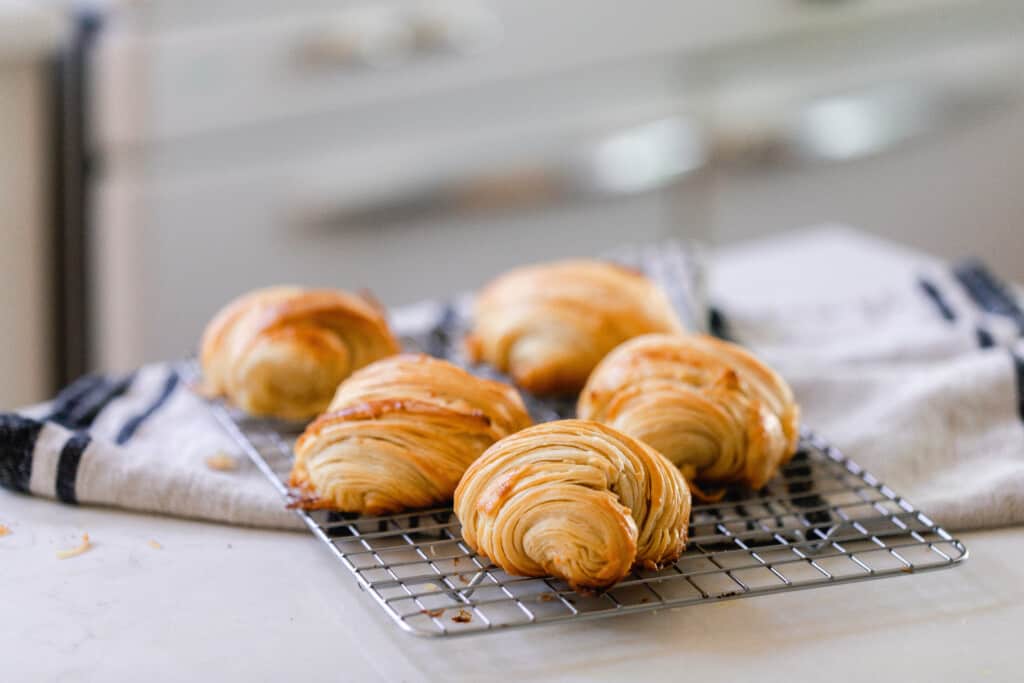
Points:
[871,120]
[382,36]
[376,37]
[632,161]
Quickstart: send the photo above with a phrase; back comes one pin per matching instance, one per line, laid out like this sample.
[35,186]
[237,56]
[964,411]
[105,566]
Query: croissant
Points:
[282,351]
[574,499]
[400,433]
[549,325]
[709,406]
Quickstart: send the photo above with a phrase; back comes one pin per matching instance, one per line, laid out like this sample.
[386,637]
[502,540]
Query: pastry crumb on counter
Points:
[222,462]
[154,545]
[463,617]
[82,547]
[434,613]
[547,597]
[5,530]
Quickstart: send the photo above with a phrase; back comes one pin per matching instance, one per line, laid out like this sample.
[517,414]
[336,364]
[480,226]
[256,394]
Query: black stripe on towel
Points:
[17,441]
[78,409]
[67,466]
[1018,368]
[985,338]
[70,396]
[935,296]
[989,292]
[718,325]
[132,425]
[439,339]
[93,404]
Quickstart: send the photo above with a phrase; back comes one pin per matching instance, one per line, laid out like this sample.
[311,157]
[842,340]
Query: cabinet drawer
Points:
[417,221]
[166,262]
[164,85]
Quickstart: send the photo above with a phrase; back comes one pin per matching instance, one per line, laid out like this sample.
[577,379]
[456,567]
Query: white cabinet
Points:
[192,74]
[418,215]
[956,195]
[194,252]
[249,143]
[24,236]
[27,35]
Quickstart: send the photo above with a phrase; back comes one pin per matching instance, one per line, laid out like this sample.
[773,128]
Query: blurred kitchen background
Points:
[158,157]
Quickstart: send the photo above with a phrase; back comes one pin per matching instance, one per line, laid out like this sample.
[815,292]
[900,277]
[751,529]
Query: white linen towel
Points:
[913,369]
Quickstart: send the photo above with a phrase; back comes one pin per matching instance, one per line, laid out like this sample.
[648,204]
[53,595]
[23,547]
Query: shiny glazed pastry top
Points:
[709,406]
[574,499]
[399,434]
[282,351]
[548,325]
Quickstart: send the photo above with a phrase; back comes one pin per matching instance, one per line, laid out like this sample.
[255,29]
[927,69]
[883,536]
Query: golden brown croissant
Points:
[282,351]
[549,325]
[400,433]
[574,499]
[709,406]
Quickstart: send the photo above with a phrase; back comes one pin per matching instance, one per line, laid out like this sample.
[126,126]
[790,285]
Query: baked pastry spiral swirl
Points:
[399,434]
[709,406]
[574,499]
[548,325]
[282,351]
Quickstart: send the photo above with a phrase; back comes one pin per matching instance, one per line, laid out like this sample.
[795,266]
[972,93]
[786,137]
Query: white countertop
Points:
[223,603]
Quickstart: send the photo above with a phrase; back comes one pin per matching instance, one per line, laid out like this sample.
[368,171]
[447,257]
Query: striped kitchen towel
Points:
[141,442]
[913,368]
[148,442]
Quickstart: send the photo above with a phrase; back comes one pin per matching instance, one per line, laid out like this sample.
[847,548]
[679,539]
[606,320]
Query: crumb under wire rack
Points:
[822,521]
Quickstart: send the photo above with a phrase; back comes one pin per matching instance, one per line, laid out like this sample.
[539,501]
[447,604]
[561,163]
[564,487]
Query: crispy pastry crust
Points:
[548,325]
[709,406]
[399,434]
[574,499]
[282,351]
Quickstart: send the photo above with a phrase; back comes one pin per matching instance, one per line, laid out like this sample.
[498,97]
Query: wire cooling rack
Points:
[822,521]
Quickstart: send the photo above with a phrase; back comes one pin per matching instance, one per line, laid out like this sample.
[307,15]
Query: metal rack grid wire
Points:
[822,521]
